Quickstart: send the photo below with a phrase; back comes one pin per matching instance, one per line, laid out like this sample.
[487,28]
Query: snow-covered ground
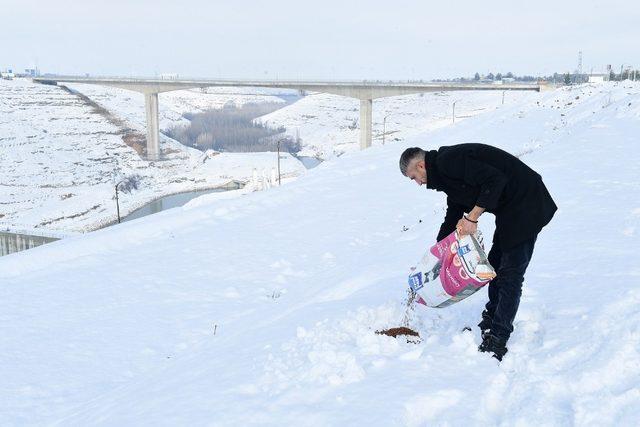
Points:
[329,125]
[60,159]
[262,310]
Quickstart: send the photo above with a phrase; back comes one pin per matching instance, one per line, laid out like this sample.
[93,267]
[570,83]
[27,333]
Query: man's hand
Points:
[469,224]
[465,227]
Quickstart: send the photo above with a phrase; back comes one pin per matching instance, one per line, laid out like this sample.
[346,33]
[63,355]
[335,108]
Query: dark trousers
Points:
[505,290]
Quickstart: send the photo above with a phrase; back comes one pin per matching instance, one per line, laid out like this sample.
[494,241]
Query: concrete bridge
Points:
[365,91]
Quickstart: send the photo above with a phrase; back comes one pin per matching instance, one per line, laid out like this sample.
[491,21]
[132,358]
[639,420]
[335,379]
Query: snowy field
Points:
[60,159]
[329,125]
[262,310]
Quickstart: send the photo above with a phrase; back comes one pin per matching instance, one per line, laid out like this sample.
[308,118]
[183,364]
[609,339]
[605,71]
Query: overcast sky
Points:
[328,39]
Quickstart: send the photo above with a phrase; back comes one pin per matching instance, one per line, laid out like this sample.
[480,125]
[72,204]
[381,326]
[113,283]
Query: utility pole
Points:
[384,128]
[117,199]
[117,202]
[580,64]
[279,141]
[130,182]
[453,114]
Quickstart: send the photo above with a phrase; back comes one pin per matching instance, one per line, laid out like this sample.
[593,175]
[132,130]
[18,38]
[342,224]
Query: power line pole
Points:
[118,202]
[580,62]
[453,114]
[384,128]
[579,70]
[279,141]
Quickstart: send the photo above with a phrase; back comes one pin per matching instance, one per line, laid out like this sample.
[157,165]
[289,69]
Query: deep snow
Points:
[117,327]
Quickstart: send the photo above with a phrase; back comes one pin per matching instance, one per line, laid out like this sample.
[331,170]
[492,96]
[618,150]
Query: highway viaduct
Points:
[365,91]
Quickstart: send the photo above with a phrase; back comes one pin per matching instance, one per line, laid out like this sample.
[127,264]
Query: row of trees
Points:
[566,78]
[233,129]
[496,77]
[627,74]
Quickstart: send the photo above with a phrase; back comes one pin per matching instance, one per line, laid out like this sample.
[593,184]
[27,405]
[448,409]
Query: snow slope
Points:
[328,124]
[261,310]
[60,160]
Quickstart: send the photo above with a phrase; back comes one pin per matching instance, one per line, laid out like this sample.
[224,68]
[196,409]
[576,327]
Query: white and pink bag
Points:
[451,270]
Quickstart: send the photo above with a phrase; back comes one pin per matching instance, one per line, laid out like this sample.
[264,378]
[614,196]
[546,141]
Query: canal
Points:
[16,242]
[168,202]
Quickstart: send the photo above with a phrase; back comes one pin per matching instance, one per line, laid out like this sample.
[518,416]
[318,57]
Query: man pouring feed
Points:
[478,179]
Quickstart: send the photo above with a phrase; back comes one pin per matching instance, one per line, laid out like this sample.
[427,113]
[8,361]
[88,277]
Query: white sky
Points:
[328,39]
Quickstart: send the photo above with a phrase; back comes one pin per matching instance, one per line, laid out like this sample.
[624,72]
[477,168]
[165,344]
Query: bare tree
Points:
[234,129]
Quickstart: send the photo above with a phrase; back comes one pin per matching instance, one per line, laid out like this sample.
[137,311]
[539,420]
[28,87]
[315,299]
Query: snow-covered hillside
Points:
[172,105]
[329,125]
[262,310]
[60,159]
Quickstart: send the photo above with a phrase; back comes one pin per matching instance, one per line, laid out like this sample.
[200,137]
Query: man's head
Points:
[412,165]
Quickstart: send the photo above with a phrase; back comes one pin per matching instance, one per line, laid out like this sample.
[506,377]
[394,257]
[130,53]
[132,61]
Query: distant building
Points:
[7,75]
[169,76]
[32,72]
[598,77]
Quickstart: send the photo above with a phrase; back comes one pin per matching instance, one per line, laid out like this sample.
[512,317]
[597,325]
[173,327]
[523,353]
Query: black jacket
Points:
[482,175]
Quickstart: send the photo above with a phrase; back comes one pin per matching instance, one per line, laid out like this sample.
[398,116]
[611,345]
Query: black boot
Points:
[495,345]
[485,324]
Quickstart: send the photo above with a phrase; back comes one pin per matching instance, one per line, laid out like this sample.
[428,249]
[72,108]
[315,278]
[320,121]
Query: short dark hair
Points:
[409,155]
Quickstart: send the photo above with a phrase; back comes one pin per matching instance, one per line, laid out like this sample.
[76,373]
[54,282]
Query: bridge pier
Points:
[153,125]
[366,122]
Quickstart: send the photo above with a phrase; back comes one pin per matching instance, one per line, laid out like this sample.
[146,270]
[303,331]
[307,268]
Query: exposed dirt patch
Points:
[404,331]
[131,137]
[51,221]
[135,140]
[395,332]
